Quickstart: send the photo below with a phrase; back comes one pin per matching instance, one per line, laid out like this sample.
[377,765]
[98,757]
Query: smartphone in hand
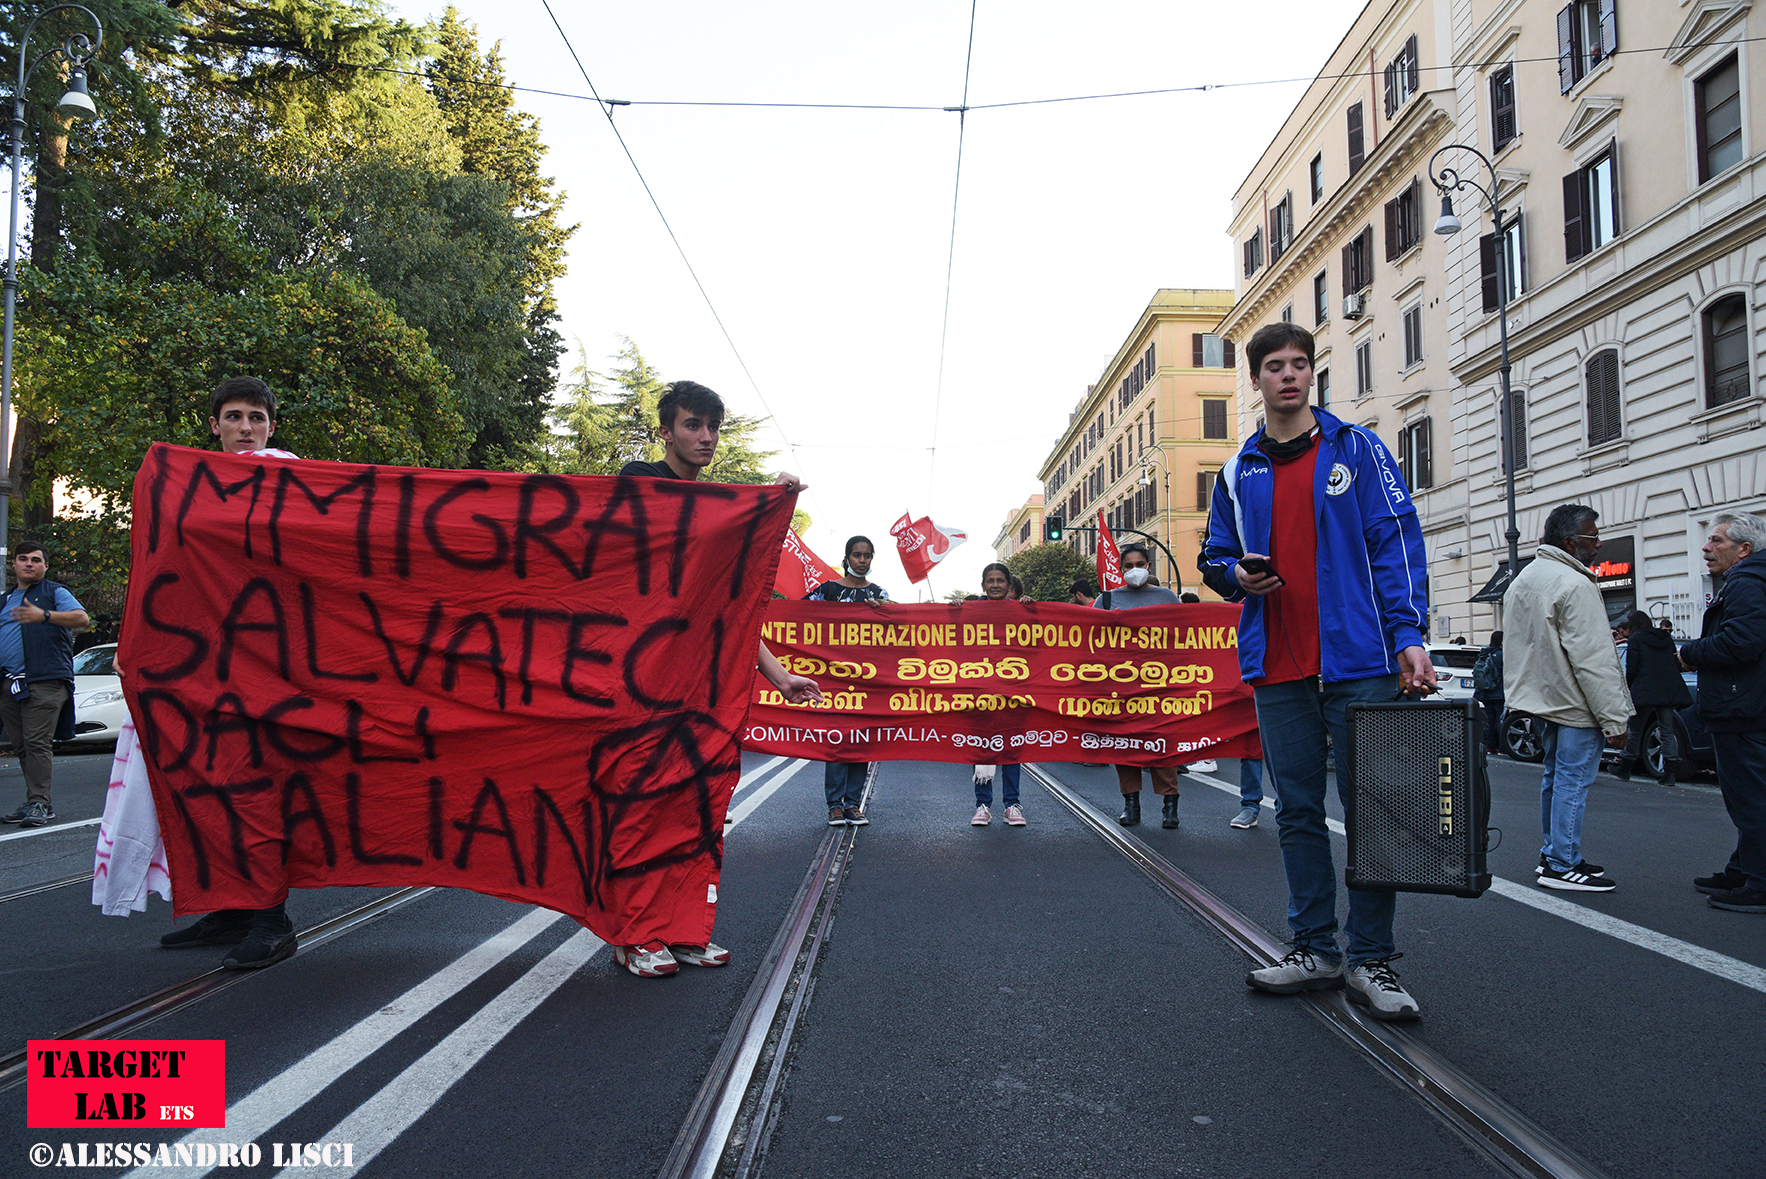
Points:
[1260,567]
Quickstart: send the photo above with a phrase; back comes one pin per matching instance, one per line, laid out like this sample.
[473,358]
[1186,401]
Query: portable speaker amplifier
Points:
[1416,798]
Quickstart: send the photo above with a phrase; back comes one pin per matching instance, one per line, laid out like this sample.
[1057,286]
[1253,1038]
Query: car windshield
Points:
[96,661]
[1460,658]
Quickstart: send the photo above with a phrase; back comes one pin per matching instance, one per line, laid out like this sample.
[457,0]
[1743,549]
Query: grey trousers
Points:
[30,725]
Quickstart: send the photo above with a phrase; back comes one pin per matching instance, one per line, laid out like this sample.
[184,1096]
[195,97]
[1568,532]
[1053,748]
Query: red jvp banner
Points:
[922,544]
[524,685]
[1109,558]
[1001,682]
[800,570]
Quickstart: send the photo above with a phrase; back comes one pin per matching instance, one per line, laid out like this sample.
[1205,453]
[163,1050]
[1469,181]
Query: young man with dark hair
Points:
[1080,593]
[690,418]
[36,659]
[1313,529]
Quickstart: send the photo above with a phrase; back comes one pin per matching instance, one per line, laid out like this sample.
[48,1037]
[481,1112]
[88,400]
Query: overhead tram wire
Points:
[607,110]
[950,260]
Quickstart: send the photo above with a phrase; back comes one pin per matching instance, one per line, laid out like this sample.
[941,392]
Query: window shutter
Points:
[1566,48]
[1425,453]
[1410,61]
[1615,427]
[1519,282]
[1356,152]
[1575,217]
[1196,348]
[1348,269]
[1596,403]
[1618,223]
[1502,108]
[1226,359]
[1487,270]
[1391,82]
[1152,498]
[1517,419]
[1391,230]
[1202,490]
[1609,27]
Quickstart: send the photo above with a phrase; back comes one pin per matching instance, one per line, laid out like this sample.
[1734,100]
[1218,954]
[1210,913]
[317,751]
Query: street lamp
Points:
[75,105]
[1146,480]
[1448,181]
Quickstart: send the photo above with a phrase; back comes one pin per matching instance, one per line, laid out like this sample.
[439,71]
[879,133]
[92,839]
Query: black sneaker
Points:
[15,816]
[1717,882]
[268,941]
[855,817]
[1738,900]
[836,816]
[37,814]
[1573,880]
[226,928]
[1582,866]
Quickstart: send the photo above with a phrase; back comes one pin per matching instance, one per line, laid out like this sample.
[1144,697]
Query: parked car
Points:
[1523,740]
[1453,669]
[99,710]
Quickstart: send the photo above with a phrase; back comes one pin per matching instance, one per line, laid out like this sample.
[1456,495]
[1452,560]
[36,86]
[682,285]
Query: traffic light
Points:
[1052,527]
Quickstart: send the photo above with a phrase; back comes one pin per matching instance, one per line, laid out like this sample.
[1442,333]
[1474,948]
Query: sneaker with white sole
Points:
[1206,766]
[710,954]
[836,816]
[1373,985]
[856,817]
[650,960]
[1301,970]
[1582,866]
[1576,880]
[1014,816]
[982,818]
[1247,817]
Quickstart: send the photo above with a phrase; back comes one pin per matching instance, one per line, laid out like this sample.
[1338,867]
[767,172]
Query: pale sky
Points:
[822,236]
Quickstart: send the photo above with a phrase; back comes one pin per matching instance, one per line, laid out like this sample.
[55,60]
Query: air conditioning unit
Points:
[1354,306]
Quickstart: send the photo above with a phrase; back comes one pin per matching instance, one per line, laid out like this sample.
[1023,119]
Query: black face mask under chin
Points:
[1293,448]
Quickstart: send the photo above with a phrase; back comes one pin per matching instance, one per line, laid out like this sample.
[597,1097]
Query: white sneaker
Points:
[1301,970]
[1373,985]
[650,960]
[1014,816]
[1205,766]
[982,818]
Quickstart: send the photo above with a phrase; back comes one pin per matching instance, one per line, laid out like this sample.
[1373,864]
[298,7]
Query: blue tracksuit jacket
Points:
[1373,582]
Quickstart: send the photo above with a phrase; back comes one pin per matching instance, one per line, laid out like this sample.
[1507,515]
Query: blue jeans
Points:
[1295,719]
[1008,776]
[844,782]
[1250,781]
[1572,758]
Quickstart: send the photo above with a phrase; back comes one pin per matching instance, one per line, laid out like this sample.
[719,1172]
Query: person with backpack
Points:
[1487,690]
[1657,690]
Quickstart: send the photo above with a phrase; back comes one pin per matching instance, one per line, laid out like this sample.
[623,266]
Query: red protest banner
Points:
[800,570]
[1001,682]
[118,1084]
[525,685]
[1109,558]
[923,544]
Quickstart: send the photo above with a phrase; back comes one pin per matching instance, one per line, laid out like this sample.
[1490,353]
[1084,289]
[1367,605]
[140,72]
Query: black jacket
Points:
[1730,653]
[1653,672]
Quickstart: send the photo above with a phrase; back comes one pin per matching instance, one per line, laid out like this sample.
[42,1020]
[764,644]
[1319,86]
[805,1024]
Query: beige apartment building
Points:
[1621,134]
[1023,528]
[1146,441]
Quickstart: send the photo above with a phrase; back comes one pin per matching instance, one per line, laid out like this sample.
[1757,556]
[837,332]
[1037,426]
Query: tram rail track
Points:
[1498,1131]
[47,886]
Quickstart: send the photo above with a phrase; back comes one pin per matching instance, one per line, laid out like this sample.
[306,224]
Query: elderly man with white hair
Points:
[1730,657]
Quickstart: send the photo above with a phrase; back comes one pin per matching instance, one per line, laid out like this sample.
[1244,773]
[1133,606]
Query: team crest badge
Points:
[1339,480]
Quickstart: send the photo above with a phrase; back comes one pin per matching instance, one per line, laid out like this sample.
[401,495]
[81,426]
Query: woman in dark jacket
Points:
[1657,690]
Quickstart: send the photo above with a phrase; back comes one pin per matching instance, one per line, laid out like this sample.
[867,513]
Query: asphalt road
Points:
[990,1002]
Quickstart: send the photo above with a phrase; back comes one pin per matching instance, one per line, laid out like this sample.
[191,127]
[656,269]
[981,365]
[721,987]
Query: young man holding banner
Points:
[1313,528]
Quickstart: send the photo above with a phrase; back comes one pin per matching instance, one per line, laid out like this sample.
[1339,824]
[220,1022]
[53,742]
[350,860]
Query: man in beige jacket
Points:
[1560,667]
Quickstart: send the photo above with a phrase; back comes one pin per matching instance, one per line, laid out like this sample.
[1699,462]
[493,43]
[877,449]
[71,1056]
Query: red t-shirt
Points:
[1291,613]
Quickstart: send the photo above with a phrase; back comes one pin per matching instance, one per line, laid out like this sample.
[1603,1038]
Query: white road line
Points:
[266,1107]
[51,830]
[755,775]
[377,1122]
[1686,953]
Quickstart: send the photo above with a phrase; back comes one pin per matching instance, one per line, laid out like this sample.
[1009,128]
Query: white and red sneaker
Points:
[982,818]
[650,960]
[710,954]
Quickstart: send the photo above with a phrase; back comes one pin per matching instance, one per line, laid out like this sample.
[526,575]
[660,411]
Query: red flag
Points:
[800,570]
[923,544]
[1109,559]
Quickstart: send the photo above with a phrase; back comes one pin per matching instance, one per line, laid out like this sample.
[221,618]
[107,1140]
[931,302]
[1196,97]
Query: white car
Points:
[1453,669]
[99,709]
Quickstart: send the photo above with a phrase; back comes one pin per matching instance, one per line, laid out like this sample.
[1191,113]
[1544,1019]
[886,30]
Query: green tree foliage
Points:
[602,425]
[1049,570]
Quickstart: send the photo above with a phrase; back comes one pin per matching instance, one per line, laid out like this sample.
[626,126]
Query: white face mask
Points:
[1135,577]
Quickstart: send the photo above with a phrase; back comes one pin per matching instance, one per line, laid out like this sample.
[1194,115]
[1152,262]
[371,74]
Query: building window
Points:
[1281,227]
[1502,108]
[1357,154]
[1364,369]
[1588,34]
[1214,419]
[1315,171]
[1024,533]
[1726,351]
[1414,460]
[1413,336]
[1718,98]
[1517,417]
[1210,351]
[1513,255]
[1253,253]
[1321,298]
[1204,489]
[1358,262]
[1591,205]
[1401,77]
[1404,220]
[1602,371]
[1288,313]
